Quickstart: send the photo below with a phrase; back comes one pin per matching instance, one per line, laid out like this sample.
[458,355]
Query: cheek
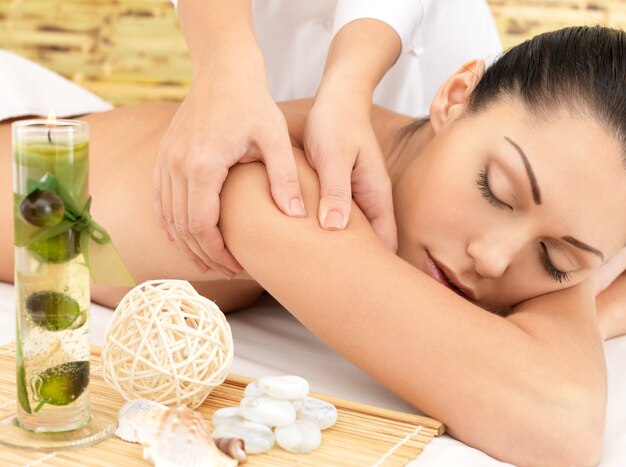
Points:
[439,202]
[451,204]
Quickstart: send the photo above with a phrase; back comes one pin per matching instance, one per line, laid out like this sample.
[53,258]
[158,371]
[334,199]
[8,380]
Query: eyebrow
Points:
[529,171]
[537,199]
[583,246]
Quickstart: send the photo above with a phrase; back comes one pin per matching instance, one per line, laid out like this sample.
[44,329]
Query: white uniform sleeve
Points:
[404,16]
[175,3]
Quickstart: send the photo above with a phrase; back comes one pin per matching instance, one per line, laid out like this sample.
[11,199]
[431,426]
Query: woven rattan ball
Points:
[167,343]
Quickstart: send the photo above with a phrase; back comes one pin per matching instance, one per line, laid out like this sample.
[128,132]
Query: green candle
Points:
[51,164]
[55,241]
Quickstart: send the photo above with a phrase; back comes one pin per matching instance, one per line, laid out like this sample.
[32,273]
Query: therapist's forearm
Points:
[220,36]
[611,307]
[359,56]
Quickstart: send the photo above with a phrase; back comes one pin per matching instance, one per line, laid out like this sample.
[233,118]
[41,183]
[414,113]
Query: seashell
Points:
[227,414]
[284,387]
[268,411]
[318,411]
[253,390]
[233,447]
[256,437]
[126,428]
[302,436]
[178,437]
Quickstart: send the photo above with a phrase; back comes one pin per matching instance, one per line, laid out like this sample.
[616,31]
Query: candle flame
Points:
[52,118]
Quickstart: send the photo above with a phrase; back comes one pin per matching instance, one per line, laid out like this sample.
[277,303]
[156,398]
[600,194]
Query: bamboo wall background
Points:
[130,51]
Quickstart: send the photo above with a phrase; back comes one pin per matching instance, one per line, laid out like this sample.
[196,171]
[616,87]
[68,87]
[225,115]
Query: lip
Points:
[448,278]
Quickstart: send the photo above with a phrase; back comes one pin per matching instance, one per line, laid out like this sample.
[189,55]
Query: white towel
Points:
[27,88]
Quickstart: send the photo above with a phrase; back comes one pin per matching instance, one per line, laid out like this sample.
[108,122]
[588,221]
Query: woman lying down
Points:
[509,202]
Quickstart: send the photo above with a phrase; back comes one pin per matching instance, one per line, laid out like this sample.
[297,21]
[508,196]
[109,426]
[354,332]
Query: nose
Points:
[493,253]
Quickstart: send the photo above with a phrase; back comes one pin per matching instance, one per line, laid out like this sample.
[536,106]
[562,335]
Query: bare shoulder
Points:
[297,111]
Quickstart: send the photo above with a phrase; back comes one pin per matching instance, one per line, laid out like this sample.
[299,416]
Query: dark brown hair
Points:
[581,69]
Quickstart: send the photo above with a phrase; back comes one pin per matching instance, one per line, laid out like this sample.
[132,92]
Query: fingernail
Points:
[333,220]
[296,207]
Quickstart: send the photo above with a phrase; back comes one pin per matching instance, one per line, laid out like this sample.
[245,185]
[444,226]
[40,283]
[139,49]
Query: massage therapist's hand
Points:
[225,119]
[339,140]
[340,144]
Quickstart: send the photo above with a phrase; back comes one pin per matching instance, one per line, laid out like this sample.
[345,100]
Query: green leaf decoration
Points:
[22,393]
[76,233]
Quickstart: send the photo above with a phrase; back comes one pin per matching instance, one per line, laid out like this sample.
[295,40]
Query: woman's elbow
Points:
[572,433]
[584,422]
[585,432]
[563,427]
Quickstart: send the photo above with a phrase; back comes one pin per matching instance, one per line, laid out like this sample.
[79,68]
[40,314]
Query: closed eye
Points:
[483,185]
[556,274]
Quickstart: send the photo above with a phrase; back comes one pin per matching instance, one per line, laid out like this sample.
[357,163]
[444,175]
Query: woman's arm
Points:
[611,305]
[528,389]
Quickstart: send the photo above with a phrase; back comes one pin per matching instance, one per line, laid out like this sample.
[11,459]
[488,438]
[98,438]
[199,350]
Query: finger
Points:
[335,192]
[170,223]
[186,242]
[168,211]
[380,215]
[166,204]
[283,175]
[222,256]
[169,226]
[157,203]
[204,212]
[372,192]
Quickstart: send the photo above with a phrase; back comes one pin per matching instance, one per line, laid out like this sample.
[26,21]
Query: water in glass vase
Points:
[52,232]
[53,352]
[52,285]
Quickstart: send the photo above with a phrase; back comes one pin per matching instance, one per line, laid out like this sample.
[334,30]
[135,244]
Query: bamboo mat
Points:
[363,435]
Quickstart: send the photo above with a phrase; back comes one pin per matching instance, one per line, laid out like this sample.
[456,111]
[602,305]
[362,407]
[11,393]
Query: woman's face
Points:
[508,209]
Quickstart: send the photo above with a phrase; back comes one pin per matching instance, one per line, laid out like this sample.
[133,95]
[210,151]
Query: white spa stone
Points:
[268,411]
[257,438]
[322,413]
[302,436]
[226,415]
[297,404]
[253,390]
[284,387]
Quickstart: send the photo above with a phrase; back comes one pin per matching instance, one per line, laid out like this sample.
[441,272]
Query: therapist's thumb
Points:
[283,176]
[335,193]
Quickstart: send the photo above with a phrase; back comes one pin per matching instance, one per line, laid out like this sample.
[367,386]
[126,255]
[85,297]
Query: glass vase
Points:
[52,277]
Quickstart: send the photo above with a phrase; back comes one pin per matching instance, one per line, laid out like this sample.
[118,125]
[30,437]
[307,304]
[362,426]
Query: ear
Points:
[449,102]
